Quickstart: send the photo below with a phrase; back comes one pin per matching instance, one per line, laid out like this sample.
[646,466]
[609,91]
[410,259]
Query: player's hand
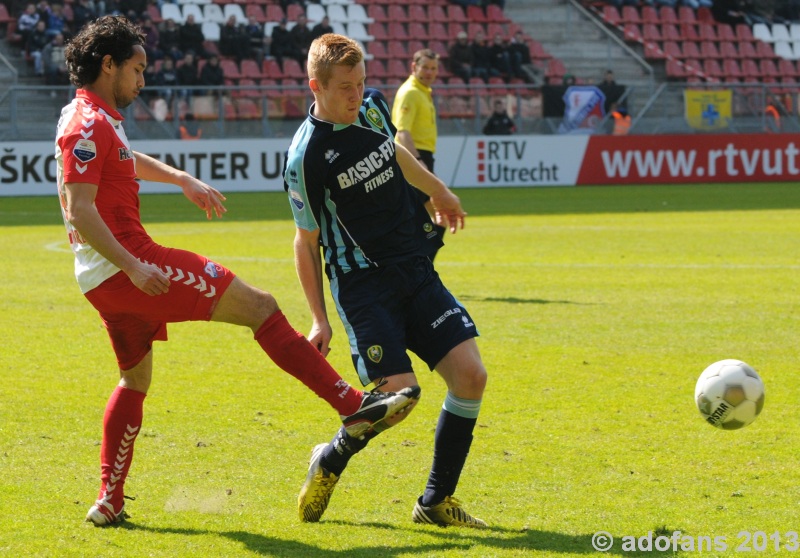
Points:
[320,336]
[449,212]
[205,197]
[149,279]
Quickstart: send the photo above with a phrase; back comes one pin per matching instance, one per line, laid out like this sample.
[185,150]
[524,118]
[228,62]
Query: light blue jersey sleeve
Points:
[294,181]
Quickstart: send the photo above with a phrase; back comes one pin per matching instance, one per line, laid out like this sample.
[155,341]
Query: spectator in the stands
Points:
[26,22]
[233,40]
[55,63]
[500,57]
[482,58]
[460,57]
[212,74]
[169,40]
[301,37]
[282,44]
[149,93]
[152,38]
[499,123]
[521,61]
[191,36]
[322,28]
[43,9]
[56,22]
[37,40]
[82,12]
[612,91]
[255,35]
[188,75]
[167,79]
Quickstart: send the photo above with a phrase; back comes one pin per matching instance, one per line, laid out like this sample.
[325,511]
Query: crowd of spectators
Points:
[505,58]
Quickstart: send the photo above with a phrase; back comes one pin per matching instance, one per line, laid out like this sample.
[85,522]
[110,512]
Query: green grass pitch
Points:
[598,309]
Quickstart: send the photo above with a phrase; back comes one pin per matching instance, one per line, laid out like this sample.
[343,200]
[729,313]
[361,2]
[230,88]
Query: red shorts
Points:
[134,319]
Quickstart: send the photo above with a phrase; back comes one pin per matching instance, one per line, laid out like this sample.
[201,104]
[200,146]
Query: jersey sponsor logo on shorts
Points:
[85,150]
[374,116]
[296,200]
[375,353]
[443,317]
[367,166]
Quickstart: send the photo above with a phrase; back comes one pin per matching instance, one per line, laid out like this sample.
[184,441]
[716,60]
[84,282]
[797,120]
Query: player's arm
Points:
[445,203]
[83,215]
[403,137]
[201,194]
[308,264]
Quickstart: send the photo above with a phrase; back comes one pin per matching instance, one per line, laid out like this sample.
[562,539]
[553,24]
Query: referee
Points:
[414,114]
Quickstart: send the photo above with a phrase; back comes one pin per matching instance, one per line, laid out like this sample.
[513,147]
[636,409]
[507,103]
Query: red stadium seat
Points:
[666,14]
[725,32]
[686,15]
[230,69]
[709,50]
[649,14]
[378,50]
[747,50]
[630,14]
[611,15]
[732,68]
[456,14]
[711,68]
[437,14]
[476,13]
[744,33]
[378,13]
[397,13]
[690,50]
[675,69]
[727,49]
[669,32]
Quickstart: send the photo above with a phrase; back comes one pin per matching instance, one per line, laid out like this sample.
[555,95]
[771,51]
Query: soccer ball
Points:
[729,394]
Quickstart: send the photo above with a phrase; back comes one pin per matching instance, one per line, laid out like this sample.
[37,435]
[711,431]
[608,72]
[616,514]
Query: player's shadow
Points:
[517,300]
[449,539]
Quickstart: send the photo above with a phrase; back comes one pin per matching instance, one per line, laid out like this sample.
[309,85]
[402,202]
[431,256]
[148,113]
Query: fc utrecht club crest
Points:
[375,353]
[213,270]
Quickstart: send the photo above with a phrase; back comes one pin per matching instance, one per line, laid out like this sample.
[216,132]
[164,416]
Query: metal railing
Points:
[29,113]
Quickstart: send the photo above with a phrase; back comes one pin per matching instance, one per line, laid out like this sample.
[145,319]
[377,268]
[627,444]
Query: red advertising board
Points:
[690,158]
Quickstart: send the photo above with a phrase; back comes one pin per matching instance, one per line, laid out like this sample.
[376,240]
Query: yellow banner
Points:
[708,110]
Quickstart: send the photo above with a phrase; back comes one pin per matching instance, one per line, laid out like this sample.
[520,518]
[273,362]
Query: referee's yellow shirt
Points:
[414,112]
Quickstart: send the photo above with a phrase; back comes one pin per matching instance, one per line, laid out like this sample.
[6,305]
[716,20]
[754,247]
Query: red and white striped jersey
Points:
[91,147]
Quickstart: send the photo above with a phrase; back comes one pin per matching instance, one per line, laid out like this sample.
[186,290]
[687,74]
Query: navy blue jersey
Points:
[344,180]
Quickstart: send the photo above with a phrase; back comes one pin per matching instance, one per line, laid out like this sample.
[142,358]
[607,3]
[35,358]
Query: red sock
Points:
[121,424]
[290,350]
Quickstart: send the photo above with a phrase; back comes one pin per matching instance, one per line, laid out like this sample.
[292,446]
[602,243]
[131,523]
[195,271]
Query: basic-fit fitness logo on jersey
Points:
[509,161]
[368,166]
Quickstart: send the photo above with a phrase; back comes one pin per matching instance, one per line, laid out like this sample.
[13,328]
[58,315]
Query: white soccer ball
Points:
[729,394]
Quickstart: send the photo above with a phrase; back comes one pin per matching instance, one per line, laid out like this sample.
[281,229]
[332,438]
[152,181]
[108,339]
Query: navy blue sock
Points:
[451,446]
[343,446]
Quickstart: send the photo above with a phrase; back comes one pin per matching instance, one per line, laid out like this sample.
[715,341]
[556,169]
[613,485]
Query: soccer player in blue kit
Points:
[348,185]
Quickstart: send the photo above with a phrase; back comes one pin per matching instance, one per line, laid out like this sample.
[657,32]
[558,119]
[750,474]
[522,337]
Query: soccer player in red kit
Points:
[138,286]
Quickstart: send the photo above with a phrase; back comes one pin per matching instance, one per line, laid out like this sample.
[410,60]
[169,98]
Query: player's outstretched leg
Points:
[376,407]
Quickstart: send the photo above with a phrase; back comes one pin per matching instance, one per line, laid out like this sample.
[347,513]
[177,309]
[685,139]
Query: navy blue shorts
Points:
[395,308]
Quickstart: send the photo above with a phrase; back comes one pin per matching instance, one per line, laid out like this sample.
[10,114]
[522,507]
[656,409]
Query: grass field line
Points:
[63,247]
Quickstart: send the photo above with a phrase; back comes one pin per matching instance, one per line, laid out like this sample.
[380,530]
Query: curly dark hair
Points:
[112,35]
